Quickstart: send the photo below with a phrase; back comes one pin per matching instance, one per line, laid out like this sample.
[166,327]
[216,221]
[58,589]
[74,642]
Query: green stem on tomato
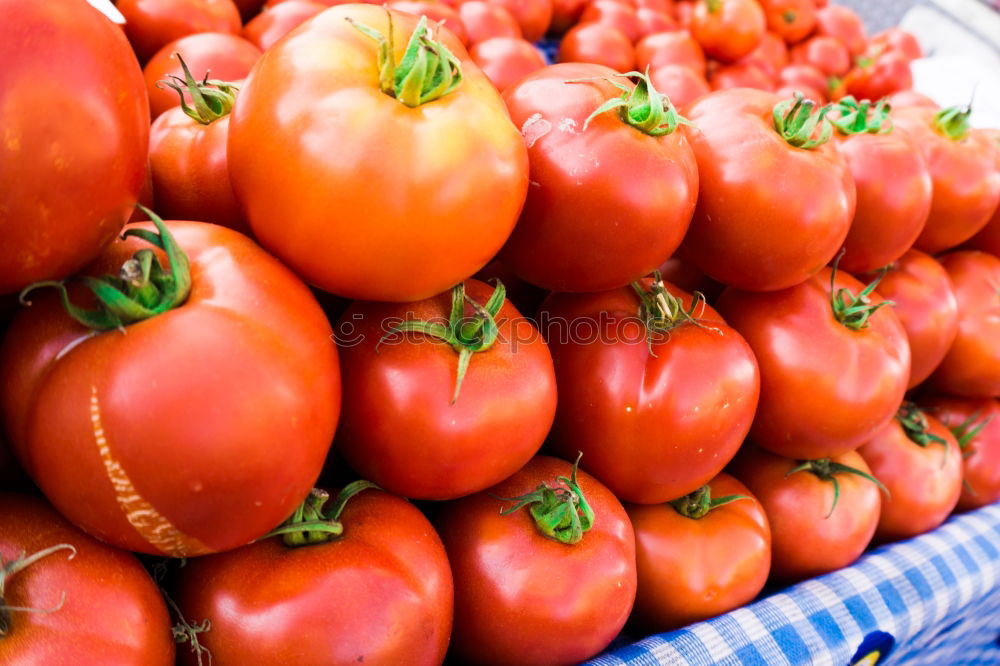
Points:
[311,523]
[827,470]
[855,117]
[9,569]
[852,311]
[211,99]
[917,429]
[641,106]
[797,120]
[698,504]
[953,122]
[662,312]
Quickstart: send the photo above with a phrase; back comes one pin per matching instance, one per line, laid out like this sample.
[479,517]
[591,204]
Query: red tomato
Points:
[823,513]
[94,604]
[875,78]
[898,100]
[826,54]
[803,76]
[771,54]
[151,24]
[534,16]
[924,300]
[740,75]
[438,201]
[988,238]
[615,14]
[971,368]
[439,12]
[483,21]
[71,166]
[652,21]
[843,24]
[828,379]
[975,422]
[565,14]
[692,567]
[223,57]
[525,598]
[962,164]
[728,29]
[458,441]
[670,48]
[598,44]
[657,400]
[747,231]
[507,60]
[152,420]
[806,92]
[681,84]
[275,22]
[380,592]
[624,222]
[898,40]
[793,20]
[918,460]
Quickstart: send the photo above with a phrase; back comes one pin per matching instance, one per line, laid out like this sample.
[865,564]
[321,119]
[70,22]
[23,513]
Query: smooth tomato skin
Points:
[243,371]
[843,24]
[439,186]
[625,221]
[824,53]
[824,388]
[620,15]
[275,22]
[988,238]
[732,31]
[911,98]
[924,483]
[740,75]
[803,76]
[792,20]
[224,57]
[502,415]
[788,91]
[746,231]
[771,55]
[190,171]
[971,368]
[924,301]
[652,21]
[886,74]
[534,16]
[693,569]
[70,168]
[565,14]
[522,598]
[112,611]
[150,24]
[894,191]
[807,539]
[435,11]
[483,20]
[597,44]
[380,593]
[506,60]
[981,454]
[898,40]
[670,48]
[681,84]
[652,426]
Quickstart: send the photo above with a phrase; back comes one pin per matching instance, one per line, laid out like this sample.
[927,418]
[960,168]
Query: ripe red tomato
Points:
[506,60]
[747,231]
[988,238]
[828,378]
[71,166]
[94,604]
[826,54]
[975,422]
[616,14]
[534,16]
[918,460]
[652,21]
[843,24]
[823,513]
[670,48]
[803,76]
[879,76]
[898,40]
[380,592]
[598,44]
[440,195]
[682,85]
[624,222]
[771,55]
[692,565]
[792,20]
[483,20]
[898,100]
[525,598]
[151,24]
[565,14]
[740,75]
[806,92]
[436,11]
[275,22]
[924,301]
[194,430]
[728,29]
[656,391]
[971,368]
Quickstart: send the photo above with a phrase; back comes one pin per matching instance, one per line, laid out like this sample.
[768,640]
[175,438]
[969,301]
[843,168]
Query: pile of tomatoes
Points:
[444,352]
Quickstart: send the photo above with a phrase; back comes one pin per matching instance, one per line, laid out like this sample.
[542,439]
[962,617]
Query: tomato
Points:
[151,422]
[439,197]
[748,231]
[616,14]
[971,368]
[670,48]
[875,78]
[151,24]
[565,14]
[826,54]
[483,21]
[275,22]
[728,29]
[740,75]
[436,11]
[534,16]
[903,98]
[918,460]
[962,164]
[792,20]
[843,24]
[652,21]
[924,300]
[507,60]
[771,54]
[806,92]
[898,40]
[599,44]
[683,11]
[823,513]
[804,77]
[71,167]
[681,84]
[93,604]
[525,598]
[988,238]
[625,222]
[222,57]
[380,592]
[692,567]
[657,398]
[829,378]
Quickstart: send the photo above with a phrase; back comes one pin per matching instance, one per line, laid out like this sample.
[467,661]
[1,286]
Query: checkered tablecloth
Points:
[934,600]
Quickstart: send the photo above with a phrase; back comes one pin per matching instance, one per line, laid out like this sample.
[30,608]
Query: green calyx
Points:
[211,99]
[713,6]
[827,470]
[141,290]
[9,569]
[796,120]
[697,504]
[641,106]
[916,428]
[311,523]
[968,430]
[466,335]
[855,117]
[852,311]
[427,71]
[953,122]
[662,312]
[560,511]
[789,16]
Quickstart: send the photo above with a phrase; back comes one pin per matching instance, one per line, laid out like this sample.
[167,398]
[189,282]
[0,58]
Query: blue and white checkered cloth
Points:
[934,600]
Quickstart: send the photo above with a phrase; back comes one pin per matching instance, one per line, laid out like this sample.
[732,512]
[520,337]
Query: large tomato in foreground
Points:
[192,413]
[75,122]
[392,195]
